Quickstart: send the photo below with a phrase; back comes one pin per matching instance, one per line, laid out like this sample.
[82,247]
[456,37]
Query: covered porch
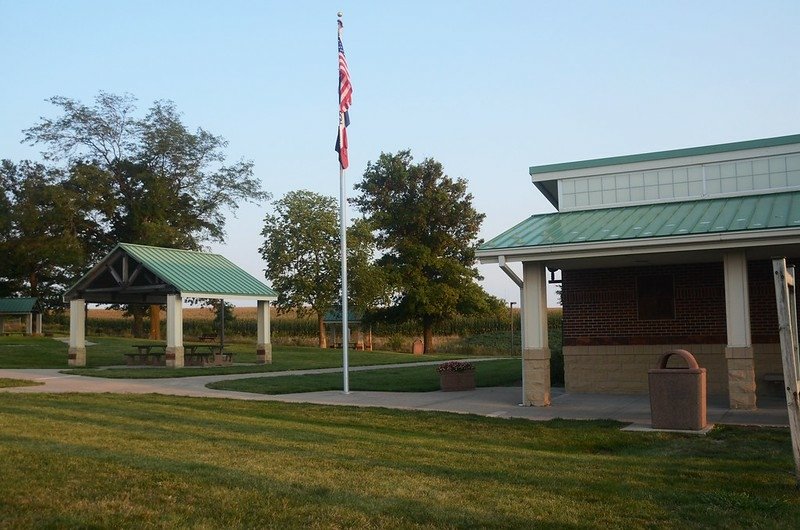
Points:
[137,274]
[642,280]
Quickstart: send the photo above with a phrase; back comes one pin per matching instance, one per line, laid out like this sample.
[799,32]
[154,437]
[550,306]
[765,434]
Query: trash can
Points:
[678,395]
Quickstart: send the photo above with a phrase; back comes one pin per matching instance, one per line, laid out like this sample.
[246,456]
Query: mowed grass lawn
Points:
[45,352]
[505,372]
[171,462]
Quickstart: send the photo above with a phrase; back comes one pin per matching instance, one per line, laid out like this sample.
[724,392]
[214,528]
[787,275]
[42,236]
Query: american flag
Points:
[345,98]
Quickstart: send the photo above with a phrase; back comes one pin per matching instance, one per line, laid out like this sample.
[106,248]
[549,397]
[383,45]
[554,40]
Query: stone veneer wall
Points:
[623,369]
[608,349]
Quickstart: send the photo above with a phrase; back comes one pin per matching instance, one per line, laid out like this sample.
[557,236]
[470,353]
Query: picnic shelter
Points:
[138,274]
[28,308]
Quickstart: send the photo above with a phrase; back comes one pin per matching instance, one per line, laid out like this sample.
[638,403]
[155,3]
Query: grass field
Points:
[505,372]
[171,462]
[45,352]
[8,383]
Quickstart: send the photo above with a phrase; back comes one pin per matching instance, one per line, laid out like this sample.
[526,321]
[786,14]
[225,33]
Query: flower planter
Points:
[457,381]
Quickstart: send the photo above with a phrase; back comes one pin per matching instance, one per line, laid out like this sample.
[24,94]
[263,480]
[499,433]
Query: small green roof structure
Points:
[19,306]
[30,308]
[139,274]
[144,274]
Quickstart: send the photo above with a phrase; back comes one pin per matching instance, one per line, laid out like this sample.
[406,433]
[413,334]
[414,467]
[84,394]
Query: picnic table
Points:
[206,355]
[193,355]
[147,354]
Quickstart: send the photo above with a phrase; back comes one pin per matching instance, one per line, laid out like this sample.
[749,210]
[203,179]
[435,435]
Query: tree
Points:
[302,249]
[41,226]
[152,180]
[427,229]
[301,245]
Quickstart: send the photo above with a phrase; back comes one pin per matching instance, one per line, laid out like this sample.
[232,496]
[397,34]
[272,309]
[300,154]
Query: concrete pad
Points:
[497,402]
[640,427]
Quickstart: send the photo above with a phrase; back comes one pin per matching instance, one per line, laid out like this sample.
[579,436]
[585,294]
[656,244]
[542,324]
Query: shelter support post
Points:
[38,330]
[501,260]
[174,349]
[536,352]
[29,324]
[263,346]
[739,350]
[77,333]
[2,326]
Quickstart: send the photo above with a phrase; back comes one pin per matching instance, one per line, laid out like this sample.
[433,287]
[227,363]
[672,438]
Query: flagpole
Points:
[343,238]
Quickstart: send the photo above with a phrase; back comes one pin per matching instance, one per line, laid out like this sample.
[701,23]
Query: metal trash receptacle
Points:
[678,395]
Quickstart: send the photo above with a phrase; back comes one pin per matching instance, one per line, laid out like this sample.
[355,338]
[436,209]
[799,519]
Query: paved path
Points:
[494,401]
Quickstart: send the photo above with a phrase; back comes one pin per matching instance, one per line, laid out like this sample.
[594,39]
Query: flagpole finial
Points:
[339,14]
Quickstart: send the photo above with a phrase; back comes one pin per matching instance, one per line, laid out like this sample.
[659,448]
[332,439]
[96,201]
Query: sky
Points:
[486,88]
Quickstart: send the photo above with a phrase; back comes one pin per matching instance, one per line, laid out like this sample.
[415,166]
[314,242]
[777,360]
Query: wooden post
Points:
[787,325]
[155,322]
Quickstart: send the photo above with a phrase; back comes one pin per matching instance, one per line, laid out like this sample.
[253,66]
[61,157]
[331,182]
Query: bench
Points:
[208,337]
[775,384]
[147,354]
[205,353]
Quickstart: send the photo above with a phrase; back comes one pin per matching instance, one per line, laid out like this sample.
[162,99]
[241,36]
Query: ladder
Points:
[787,325]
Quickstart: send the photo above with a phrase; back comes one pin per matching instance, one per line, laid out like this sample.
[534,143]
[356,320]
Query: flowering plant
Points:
[455,366]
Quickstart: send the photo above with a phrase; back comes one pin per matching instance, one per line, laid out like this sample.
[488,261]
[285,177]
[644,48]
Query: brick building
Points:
[659,251]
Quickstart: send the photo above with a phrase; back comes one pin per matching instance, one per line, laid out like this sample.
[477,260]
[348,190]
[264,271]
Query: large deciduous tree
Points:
[301,243]
[41,222]
[302,251]
[152,180]
[427,229]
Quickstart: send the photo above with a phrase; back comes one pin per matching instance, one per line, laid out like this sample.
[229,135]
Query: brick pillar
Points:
[263,346]
[535,353]
[77,333]
[174,349]
[739,350]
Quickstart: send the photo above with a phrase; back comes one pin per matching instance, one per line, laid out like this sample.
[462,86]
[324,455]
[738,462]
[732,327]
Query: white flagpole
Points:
[343,238]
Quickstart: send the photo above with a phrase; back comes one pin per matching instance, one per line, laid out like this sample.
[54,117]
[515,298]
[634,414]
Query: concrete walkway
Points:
[495,401]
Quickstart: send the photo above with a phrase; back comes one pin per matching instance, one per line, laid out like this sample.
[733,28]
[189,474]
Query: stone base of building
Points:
[536,375]
[174,356]
[264,354]
[76,356]
[623,369]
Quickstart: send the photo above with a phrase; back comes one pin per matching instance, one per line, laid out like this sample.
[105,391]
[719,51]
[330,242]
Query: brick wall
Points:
[608,349]
[600,306]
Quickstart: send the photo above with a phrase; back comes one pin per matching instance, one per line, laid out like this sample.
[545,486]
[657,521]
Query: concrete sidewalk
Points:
[495,401]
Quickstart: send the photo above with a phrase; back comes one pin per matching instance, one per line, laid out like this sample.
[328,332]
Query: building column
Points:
[2,326]
[174,349]
[39,330]
[739,350]
[29,324]
[77,333]
[263,346]
[536,352]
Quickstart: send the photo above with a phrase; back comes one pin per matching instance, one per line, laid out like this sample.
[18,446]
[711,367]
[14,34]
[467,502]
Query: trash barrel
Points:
[678,395]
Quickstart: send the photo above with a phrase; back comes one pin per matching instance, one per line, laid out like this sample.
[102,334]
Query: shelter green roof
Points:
[721,215]
[197,272]
[19,306]
[663,155]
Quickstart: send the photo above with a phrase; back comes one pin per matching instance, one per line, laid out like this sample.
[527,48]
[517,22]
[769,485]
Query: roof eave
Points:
[713,241]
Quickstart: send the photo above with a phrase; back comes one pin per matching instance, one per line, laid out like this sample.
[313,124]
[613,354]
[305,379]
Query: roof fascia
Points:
[716,241]
[228,296]
[606,166]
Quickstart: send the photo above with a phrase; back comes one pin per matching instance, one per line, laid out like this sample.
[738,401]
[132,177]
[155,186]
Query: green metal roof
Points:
[18,306]
[733,214]
[662,155]
[197,272]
